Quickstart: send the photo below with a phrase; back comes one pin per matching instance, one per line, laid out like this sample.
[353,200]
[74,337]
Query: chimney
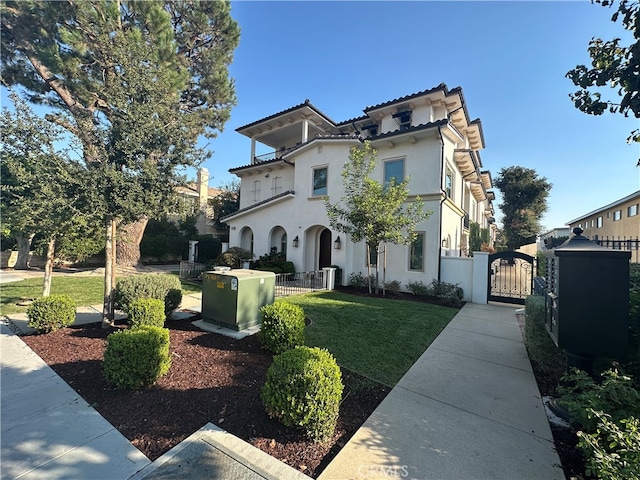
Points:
[203,186]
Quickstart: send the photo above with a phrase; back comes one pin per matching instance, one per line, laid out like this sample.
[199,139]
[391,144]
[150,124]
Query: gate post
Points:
[329,278]
[480,288]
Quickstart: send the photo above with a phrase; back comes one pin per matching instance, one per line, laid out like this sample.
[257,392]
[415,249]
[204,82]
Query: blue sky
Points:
[510,58]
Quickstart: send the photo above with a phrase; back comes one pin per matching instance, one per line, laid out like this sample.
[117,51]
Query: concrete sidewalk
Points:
[469,408]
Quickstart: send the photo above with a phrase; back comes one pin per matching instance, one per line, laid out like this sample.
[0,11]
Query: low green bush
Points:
[136,358]
[615,395]
[146,311]
[542,351]
[51,313]
[303,389]
[418,288]
[233,257]
[613,450]
[152,285]
[357,280]
[392,286]
[443,292]
[282,326]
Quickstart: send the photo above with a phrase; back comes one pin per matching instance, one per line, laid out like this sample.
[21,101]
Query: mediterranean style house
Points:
[197,196]
[426,136]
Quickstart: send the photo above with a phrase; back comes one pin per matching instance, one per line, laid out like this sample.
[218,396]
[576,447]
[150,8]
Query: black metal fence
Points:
[300,282]
[622,243]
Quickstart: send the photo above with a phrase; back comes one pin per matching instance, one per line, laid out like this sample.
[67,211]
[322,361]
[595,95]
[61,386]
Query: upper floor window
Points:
[632,210]
[599,222]
[276,185]
[319,181]
[416,253]
[256,191]
[448,182]
[393,172]
[617,215]
[403,119]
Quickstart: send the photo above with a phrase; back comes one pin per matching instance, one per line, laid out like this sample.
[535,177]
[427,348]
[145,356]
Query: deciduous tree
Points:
[524,201]
[371,211]
[41,187]
[137,82]
[612,65]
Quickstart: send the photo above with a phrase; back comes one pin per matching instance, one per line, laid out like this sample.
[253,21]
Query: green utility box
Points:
[233,298]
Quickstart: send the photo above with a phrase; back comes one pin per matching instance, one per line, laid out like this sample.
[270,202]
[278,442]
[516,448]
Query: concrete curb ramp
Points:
[212,453]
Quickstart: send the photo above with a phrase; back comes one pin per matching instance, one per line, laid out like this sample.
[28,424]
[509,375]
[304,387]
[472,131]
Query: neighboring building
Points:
[619,220]
[426,136]
[198,196]
[555,233]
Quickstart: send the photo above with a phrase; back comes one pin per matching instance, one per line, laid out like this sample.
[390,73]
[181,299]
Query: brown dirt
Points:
[212,379]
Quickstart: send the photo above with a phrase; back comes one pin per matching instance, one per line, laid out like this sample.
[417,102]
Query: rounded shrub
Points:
[51,313]
[146,311]
[282,326]
[151,285]
[304,389]
[136,358]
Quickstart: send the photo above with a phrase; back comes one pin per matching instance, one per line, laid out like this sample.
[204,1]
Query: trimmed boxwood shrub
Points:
[303,389]
[151,285]
[51,313]
[136,358]
[282,326]
[146,311]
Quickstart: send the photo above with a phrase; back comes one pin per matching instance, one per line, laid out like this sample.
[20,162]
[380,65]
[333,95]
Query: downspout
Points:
[444,197]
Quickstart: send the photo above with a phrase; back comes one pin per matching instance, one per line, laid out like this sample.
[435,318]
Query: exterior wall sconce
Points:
[337,244]
[296,242]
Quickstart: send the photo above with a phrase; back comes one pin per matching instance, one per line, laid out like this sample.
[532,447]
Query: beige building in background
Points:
[619,220]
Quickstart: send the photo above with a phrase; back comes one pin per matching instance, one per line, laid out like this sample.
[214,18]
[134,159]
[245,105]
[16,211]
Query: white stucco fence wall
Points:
[468,273]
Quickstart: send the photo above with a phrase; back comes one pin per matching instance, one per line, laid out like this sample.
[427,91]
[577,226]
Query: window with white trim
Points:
[416,253]
[276,185]
[448,182]
[393,171]
[599,222]
[632,210]
[319,186]
[617,215]
[256,191]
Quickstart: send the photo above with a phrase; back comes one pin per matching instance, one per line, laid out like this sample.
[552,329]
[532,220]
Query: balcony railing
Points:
[265,157]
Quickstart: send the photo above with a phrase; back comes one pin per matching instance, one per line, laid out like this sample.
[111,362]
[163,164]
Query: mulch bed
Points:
[212,379]
[217,379]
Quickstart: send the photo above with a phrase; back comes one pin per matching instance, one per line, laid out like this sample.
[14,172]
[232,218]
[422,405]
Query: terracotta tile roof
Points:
[415,128]
[335,136]
[259,204]
[306,103]
[442,87]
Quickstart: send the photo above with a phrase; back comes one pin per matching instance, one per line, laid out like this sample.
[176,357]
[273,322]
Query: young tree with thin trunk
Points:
[137,82]
[371,211]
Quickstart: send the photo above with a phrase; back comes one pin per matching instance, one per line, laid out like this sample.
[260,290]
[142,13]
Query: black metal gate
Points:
[510,277]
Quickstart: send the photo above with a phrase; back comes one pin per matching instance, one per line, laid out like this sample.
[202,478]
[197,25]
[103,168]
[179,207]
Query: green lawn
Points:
[85,290]
[378,338]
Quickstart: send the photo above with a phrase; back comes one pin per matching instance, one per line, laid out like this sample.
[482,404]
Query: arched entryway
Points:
[246,239]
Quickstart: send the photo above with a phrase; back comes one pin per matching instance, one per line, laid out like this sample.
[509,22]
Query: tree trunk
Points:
[48,267]
[107,306]
[129,238]
[24,247]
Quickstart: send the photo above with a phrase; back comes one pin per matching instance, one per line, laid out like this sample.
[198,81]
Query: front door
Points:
[324,257]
